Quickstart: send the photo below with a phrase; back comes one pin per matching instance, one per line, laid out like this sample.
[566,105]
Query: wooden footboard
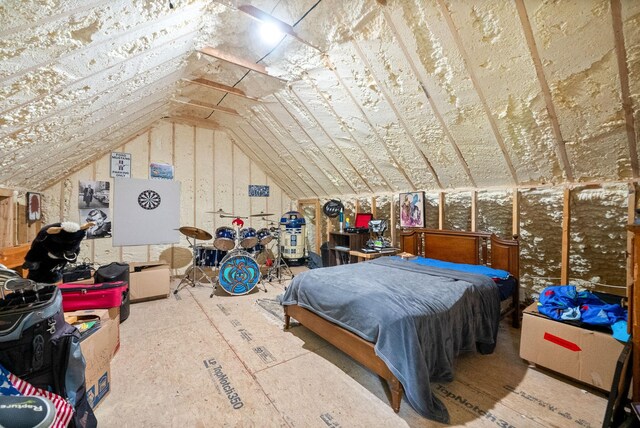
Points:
[349,343]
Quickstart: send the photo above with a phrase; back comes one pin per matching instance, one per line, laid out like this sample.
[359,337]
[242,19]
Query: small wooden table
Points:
[368,256]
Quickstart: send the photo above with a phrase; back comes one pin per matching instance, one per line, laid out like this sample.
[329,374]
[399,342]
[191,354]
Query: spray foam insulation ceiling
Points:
[360,96]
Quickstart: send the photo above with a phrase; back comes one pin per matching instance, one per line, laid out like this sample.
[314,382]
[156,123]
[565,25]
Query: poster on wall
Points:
[161,170]
[146,212]
[120,165]
[101,219]
[93,194]
[34,206]
[412,209]
[258,191]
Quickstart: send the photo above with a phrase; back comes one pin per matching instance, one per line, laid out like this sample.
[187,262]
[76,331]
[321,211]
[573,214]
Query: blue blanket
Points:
[419,317]
[461,267]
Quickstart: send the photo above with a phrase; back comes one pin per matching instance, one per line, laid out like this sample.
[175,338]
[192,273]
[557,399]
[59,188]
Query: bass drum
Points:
[239,273]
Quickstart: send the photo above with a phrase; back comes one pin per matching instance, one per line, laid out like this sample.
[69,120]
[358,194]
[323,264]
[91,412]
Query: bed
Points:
[425,315]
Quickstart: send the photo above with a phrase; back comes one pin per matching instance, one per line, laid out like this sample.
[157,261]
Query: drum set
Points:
[234,256]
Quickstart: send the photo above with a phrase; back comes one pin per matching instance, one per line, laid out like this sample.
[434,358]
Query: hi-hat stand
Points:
[279,270]
[195,268]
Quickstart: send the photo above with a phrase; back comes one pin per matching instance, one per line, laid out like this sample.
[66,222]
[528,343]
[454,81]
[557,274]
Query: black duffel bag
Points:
[113,272]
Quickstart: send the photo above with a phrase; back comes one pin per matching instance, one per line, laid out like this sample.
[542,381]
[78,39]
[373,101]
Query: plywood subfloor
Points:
[195,361]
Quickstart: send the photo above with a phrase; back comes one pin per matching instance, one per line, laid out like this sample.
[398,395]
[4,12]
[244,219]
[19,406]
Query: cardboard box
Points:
[588,356]
[98,348]
[148,281]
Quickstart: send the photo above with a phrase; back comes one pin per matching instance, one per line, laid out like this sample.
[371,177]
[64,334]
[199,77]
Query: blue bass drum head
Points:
[239,273]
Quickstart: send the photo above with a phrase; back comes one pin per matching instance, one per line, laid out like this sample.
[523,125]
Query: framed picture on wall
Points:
[412,209]
[34,206]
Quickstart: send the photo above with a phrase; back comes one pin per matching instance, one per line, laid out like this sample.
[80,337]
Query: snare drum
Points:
[239,273]
[225,238]
[264,236]
[209,256]
[248,237]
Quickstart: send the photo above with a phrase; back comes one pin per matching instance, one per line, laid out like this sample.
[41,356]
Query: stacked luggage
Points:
[39,348]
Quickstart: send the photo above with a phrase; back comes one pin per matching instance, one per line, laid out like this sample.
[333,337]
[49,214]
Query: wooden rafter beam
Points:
[195,121]
[201,81]
[399,116]
[544,86]
[441,213]
[365,118]
[266,164]
[623,71]
[262,16]
[474,210]
[202,105]
[566,237]
[241,62]
[313,141]
[434,108]
[329,106]
[324,130]
[478,88]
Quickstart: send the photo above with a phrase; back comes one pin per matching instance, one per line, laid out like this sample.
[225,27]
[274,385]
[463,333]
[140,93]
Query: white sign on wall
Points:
[120,164]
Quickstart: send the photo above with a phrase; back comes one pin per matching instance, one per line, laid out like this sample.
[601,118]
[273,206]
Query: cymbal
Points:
[231,216]
[195,233]
[220,211]
[261,215]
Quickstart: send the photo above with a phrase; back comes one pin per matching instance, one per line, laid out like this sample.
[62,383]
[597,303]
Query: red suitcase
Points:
[104,295]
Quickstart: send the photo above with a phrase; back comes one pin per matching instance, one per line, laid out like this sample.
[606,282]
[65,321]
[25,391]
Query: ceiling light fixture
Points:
[271,33]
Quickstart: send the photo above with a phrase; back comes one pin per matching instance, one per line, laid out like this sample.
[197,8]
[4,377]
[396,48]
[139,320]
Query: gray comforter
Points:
[419,317]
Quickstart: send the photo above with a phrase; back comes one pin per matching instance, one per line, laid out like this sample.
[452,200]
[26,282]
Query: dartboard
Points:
[149,199]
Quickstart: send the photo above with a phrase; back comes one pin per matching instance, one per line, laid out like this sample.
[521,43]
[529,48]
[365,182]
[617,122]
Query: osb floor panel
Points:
[181,359]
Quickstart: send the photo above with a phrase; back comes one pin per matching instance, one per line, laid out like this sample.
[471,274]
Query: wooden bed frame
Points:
[447,245]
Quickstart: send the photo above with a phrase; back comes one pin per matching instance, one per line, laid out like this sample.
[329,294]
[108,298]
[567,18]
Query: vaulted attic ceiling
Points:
[369,96]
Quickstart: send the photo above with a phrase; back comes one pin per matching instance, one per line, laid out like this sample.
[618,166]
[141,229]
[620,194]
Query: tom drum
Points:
[248,237]
[225,239]
[264,236]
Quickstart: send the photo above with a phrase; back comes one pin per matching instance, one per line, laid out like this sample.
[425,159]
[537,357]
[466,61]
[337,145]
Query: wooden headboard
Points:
[463,247]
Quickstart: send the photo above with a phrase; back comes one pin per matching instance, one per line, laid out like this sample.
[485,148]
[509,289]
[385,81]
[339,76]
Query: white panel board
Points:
[146,212]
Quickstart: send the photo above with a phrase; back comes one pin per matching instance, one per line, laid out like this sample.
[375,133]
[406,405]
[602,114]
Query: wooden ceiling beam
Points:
[201,81]
[126,36]
[195,121]
[283,130]
[89,142]
[285,149]
[476,84]
[282,164]
[434,108]
[343,124]
[113,109]
[401,121]
[295,119]
[260,160]
[241,62]
[345,157]
[97,73]
[394,160]
[561,150]
[163,80]
[207,106]
[623,71]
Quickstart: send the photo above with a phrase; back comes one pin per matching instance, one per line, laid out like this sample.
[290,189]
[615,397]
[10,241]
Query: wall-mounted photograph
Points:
[93,194]
[101,219]
[412,209]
